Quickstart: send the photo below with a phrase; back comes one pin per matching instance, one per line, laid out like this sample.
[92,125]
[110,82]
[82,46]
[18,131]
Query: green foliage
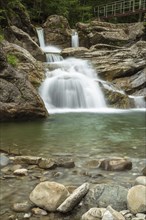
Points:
[74,10]
[12,59]
[1,38]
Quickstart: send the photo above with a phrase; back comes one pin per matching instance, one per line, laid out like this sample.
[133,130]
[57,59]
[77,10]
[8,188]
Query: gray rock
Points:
[4,160]
[46,163]
[74,198]
[102,195]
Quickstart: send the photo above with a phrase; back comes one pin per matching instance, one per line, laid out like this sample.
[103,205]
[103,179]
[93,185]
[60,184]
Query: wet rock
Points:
[94,214]
[21,172]
[49,195]
[4,160]
[22,207]
[141,180]
[46,163]
[66,163]
[136,201]
[74,198]
[102,195]
[30,160]
[38,211]
[116,164]
[111,214]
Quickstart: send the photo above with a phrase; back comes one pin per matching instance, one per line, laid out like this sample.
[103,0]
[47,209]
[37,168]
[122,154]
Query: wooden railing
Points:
[120,8]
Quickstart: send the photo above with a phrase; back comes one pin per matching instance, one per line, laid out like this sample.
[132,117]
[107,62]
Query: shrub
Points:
[12,60]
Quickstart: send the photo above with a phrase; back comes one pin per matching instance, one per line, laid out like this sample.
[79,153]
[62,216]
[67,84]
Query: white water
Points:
[40,33]
[75,39]
[73,86]
[139,101]
[52,53]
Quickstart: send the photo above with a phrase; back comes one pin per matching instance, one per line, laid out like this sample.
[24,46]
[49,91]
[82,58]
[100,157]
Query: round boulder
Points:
[136,200]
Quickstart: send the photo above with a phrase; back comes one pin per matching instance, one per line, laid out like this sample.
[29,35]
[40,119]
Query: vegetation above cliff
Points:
[39,10]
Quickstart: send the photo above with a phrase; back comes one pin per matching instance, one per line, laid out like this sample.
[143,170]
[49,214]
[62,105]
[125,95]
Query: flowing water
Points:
[75,39]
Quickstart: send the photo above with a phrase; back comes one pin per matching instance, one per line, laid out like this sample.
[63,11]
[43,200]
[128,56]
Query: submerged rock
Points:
[116,164]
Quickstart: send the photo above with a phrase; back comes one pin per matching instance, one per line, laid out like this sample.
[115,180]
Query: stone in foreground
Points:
[49,195]
[74,198]
[136,199]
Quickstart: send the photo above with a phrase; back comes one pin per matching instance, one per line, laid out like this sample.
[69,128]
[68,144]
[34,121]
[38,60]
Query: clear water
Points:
[80,136]
[120,133]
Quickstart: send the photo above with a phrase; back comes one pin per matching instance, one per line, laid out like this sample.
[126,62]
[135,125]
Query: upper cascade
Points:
[74,39]
[52,53]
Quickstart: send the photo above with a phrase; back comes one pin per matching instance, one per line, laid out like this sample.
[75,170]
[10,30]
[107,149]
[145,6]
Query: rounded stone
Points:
[136,200]
[49,195]
[141,180]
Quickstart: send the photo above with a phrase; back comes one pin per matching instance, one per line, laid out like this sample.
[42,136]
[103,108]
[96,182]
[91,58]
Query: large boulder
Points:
[26,63]
[19,100]
[97,32]
[17,36]
[49,195]
[102,195]
[57,31]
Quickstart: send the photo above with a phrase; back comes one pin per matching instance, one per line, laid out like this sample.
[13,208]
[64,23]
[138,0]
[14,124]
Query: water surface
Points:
[91,134]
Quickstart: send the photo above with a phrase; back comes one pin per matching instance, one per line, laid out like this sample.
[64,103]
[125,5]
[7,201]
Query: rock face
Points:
[57,31]
[136,199]
[17,36]
[122,70]
[19,100]
[49,195]
[26,63]
[97,32]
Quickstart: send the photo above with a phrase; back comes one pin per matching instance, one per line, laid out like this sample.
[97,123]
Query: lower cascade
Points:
[72,85]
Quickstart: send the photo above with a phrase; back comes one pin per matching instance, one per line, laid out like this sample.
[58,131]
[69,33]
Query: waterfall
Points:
[74,39]
[40,33]
[72,86]
[52,53]
[139,101]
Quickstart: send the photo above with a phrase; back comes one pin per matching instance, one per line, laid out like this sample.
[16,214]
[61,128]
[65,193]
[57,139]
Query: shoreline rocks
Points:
[56,200]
